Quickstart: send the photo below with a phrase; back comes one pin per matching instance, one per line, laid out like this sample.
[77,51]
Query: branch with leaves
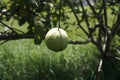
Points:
[105,34]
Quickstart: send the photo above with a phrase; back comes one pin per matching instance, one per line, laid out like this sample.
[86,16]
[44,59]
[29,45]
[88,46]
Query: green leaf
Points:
[30,28]
[37,39]
[38,32]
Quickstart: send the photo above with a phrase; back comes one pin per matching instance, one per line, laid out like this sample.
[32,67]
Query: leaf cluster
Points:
[40,15]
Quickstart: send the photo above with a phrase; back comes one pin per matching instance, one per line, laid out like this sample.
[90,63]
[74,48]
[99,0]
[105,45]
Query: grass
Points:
[22,60]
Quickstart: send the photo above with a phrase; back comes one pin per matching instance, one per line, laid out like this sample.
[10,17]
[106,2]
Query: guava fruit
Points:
[56,39]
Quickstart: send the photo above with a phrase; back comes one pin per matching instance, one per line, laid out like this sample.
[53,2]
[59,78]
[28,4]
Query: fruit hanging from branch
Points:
[56,39]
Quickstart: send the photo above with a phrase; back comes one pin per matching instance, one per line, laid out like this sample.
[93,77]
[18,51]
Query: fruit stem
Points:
[59,13]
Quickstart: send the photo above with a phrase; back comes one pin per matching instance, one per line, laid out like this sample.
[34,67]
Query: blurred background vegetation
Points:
[23,60]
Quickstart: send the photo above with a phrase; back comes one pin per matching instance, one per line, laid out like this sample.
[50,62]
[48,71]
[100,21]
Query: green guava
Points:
[56,39]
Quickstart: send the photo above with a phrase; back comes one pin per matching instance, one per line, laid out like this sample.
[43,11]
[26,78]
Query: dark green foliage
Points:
[111,69]
[22,21]
[40,15]
[38,31]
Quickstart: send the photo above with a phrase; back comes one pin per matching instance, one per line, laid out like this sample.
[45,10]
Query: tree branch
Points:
[78,21]
[116,26]
[30,36]
[11,28]
[92,7]
[78,42]
[87,22]
[85,15]
[105,13]
[109,57]
[16,36]
[3,42]
[111,35]
[98,70]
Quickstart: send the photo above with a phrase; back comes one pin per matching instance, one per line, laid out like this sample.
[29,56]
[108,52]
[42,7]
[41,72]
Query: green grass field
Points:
[23,60]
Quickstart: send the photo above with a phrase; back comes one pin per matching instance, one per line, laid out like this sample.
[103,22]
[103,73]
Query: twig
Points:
[11,28]
[108,57]
[78,21]
[93,40]
[85,15]
[105,13]
[78,42]
[116,26]
[16,36]
[92,7]
[59,13]
[12,22]
[87,22]
[100,65]
[117,58]
[98,70]
[3,42]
